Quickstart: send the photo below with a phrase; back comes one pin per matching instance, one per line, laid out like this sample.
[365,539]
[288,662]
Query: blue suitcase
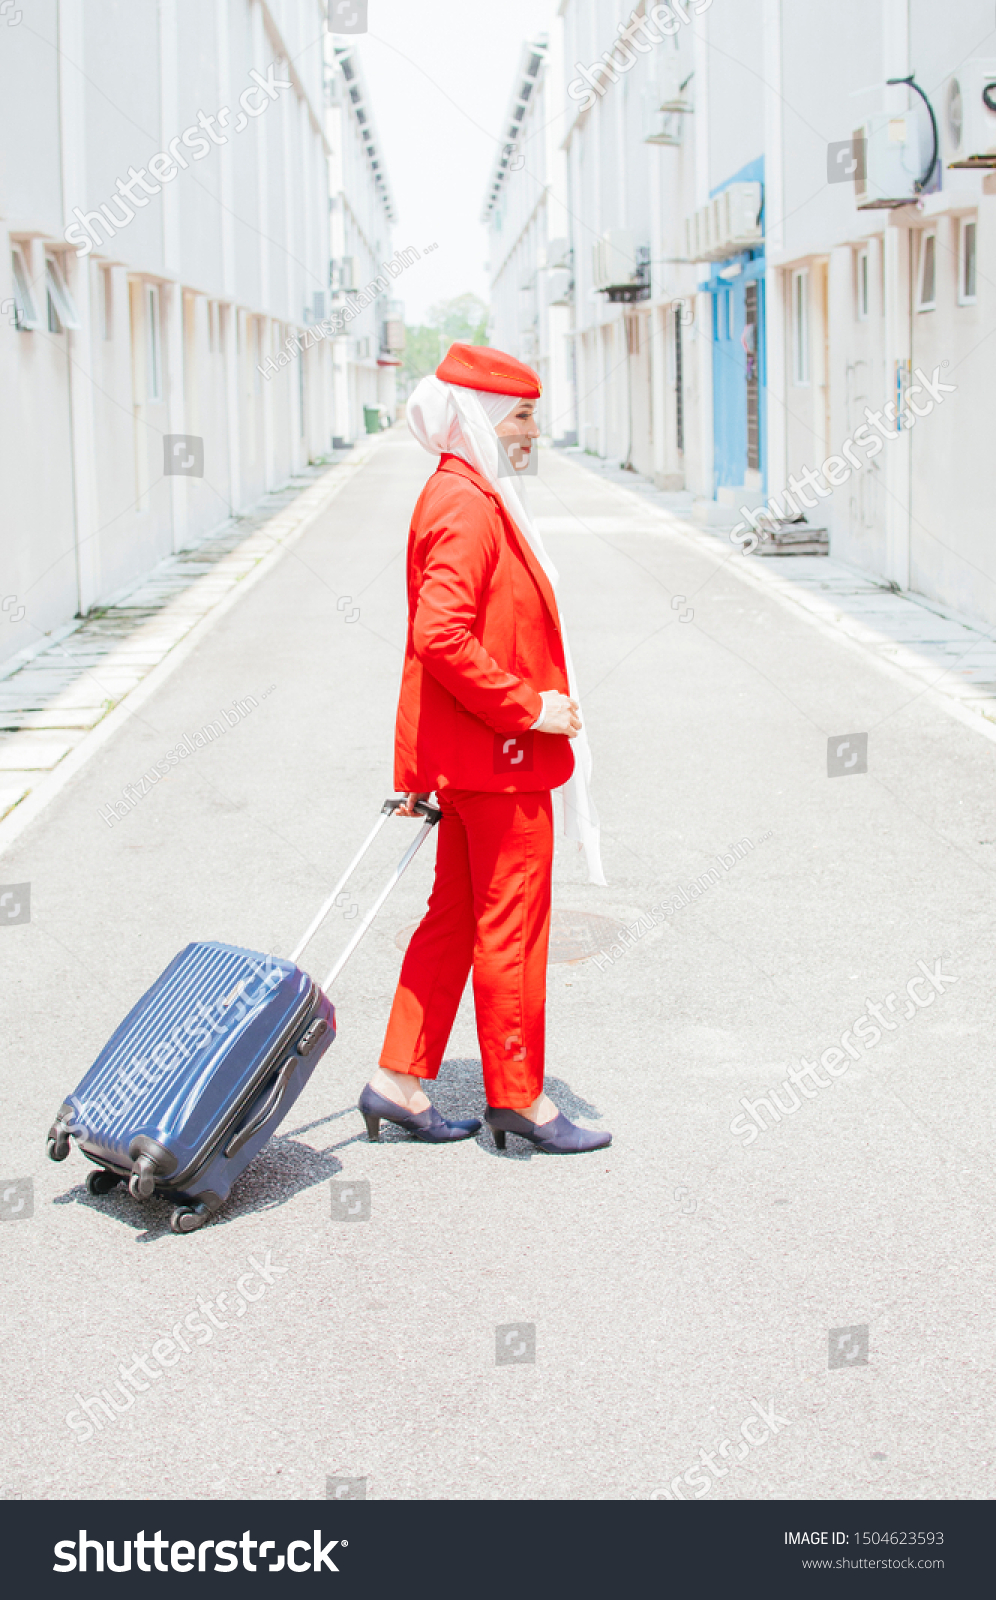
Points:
[207,1064]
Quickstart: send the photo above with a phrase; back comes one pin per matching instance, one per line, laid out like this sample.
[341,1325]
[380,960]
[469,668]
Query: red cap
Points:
[476,366]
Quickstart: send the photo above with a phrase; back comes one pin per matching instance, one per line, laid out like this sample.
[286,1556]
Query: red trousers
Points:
[490,909]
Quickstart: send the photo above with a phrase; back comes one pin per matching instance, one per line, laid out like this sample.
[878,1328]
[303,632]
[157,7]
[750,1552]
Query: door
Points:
[738,380]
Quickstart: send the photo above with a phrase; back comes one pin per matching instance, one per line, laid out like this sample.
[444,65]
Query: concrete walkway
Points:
[933,644]
[53,695]
[734,1300]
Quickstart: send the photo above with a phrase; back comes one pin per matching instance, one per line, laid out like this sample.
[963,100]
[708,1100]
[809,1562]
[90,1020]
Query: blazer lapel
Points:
[464,470]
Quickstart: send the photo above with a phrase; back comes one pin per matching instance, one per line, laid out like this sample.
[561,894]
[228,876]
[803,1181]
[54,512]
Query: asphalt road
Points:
[650,1301]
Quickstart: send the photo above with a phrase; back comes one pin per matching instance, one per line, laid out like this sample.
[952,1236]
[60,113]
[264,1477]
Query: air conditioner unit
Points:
[728,224]
[694,245]
[740,217]
[714,231]
[344,274]
[890,164]
[559,286]
[392,335]
[316,311]
[558,252]
[675,90]
[968,114]
[659,127]
[614,259]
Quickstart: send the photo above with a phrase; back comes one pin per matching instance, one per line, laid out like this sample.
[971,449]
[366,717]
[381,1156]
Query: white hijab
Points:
[446,417]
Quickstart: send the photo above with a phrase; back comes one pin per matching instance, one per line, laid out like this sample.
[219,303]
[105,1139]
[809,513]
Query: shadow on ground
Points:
[282,1170]
[286,1167]
[458,1093]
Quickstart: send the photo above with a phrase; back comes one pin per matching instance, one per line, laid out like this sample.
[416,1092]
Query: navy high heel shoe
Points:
[427,1125]
[558,1138]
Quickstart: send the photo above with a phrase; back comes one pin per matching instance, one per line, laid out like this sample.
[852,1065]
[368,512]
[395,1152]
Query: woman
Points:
[486,719]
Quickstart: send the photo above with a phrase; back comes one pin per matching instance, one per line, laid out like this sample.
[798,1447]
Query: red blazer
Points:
[483,640]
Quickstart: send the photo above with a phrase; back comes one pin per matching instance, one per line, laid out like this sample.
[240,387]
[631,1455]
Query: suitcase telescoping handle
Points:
[431,815]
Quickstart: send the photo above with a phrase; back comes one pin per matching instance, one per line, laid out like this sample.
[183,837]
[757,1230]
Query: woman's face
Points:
[520,423]
[519,429]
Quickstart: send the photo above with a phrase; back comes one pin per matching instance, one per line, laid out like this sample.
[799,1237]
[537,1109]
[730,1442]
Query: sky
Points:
[440,75]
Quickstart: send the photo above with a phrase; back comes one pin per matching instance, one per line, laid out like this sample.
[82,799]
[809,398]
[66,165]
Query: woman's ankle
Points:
[542,1110]
[402,1087]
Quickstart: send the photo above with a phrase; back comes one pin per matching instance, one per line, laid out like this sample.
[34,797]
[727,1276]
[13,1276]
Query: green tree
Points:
[463,320]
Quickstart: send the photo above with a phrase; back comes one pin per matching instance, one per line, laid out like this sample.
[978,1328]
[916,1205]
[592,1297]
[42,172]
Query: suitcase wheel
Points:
[186,1219]
[101,1181]
[142,1183]
[57,1149]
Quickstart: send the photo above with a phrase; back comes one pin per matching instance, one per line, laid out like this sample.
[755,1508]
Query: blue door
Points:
[738,377]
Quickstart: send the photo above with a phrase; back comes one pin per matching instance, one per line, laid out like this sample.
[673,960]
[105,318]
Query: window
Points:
[800,326]
[153,344]
[966,263]
[928,273]
[106,303]
[862,284]
[26,318]
[61,311]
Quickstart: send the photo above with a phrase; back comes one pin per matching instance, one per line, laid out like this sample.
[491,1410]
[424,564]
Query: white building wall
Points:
[529,237]
[782,81]
[178,299]
[361,224]
[916,512]
[627,359]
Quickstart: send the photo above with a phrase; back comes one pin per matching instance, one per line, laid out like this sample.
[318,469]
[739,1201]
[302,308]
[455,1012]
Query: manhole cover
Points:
[574,935]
